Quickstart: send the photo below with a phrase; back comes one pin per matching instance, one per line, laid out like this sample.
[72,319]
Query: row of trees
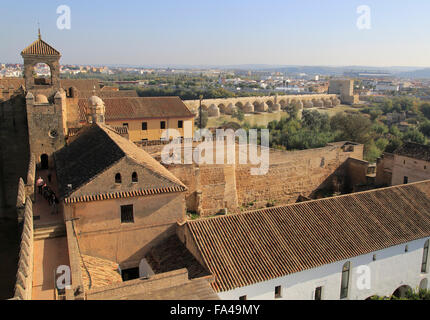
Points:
[316,129]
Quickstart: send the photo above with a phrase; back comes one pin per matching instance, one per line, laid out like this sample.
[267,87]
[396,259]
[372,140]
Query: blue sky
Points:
[223,32]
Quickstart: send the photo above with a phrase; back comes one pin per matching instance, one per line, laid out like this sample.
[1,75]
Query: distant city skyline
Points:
[223,33]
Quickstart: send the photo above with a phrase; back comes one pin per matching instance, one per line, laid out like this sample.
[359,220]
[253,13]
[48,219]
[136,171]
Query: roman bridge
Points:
[216,107]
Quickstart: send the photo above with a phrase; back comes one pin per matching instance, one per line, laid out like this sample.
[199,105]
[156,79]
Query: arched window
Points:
[118,178]
[344,287]
[134,177]
[424,265]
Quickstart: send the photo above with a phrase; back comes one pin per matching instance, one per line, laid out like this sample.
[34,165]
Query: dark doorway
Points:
[44,162]
[130,274]
[402,292]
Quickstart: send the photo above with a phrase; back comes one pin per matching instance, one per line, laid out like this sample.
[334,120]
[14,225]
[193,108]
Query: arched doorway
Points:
[402,291]
[44,162]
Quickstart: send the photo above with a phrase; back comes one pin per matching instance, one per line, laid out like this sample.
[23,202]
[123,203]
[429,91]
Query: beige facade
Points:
[408,170]
[153,127]
[101,233]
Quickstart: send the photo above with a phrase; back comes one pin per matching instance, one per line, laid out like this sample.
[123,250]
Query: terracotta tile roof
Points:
[257,246]
[97,148]
[140,108]
[102,272]
[82,85]
[40,47]
[414,150]
[123,194]
[9,83]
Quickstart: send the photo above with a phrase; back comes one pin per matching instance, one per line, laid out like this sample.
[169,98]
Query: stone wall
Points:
[356,174]
[384,170]
[214,188]
[24,213]
[293,174]
[14,151]
[24,276]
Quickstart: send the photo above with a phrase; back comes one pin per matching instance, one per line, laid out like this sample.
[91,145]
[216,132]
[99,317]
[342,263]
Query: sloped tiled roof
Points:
[98,272]
[414,150]
[141,108]
[40,47]
[257,246]
[93,151]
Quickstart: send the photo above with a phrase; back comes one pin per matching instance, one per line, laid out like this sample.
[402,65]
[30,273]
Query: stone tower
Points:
[41,52]
[46,104]
[97,110]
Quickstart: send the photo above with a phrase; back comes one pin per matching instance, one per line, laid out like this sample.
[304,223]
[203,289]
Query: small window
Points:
[118,178]
[405,180]
[344,287]
[144,126]
[374,257]
[243,298]
[318,293]
[180,124]
[424,265]
[425,167]
[163,124]
[125,125]
[127,214]
[406,248]
[134,177]
[278,292]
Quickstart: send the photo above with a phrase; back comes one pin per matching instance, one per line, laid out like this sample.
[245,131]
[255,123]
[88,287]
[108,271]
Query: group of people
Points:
[48,194]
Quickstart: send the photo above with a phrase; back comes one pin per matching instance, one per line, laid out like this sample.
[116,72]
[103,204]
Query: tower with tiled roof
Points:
[41,52]
[45,103]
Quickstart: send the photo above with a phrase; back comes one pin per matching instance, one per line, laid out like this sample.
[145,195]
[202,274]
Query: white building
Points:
[387,86]
[348,247]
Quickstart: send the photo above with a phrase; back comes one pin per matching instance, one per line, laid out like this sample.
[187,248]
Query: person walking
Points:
[40,183]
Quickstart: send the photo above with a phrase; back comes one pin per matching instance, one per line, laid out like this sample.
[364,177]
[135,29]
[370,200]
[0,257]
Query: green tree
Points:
[414,135]
[238,114]
[205,119]
[425,109]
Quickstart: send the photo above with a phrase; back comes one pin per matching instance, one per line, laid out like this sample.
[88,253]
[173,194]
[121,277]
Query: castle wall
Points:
[384,170]
[413,169]
[213,188]
[24,275]
[14,150]
[291,174]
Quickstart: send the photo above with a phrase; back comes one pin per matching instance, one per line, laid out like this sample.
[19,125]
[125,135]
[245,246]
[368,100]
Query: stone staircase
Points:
[49,232]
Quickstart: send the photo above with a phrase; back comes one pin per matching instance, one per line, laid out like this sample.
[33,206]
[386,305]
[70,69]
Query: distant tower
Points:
[97,110]
[41,52]
[46,104]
